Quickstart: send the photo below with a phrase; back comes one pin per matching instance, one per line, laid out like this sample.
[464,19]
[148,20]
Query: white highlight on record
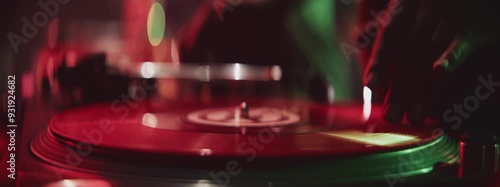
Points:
[205,152]
[68,183]
[367,103]
[148,70]
[331,94]
[204,183]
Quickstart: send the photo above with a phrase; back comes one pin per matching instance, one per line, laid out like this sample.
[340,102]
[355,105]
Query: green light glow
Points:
[312,26]
[412,150]
[156,24]
[379,139]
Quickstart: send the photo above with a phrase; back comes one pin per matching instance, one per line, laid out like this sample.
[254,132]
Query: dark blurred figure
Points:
[300,36]
[369,11]
[437,59]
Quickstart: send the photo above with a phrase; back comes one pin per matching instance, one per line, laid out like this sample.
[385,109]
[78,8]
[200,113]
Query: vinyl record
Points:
[189,140]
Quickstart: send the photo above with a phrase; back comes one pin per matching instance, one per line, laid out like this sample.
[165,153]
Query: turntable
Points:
[108,108]
[287,144]
[251,141]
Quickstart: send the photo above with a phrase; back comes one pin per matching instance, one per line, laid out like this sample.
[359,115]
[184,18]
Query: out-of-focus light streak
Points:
[203,183]
[205,152]
[331,94]
[174,52]
[276,73]
[53,33]
[79,183]
[237,71]
[148,70]
[367,103]
[71,59]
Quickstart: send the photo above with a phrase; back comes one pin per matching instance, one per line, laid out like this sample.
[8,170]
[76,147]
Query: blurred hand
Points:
[424,41]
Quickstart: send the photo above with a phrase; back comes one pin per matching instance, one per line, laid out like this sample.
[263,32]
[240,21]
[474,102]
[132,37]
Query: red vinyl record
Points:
[273,140]
[274,128]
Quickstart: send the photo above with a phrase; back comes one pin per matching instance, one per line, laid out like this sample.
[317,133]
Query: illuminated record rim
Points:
[375,167]
[140,151]
[201,117]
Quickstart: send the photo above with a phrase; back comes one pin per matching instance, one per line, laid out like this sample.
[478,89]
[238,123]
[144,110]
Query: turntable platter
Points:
[102,127]
[310,136]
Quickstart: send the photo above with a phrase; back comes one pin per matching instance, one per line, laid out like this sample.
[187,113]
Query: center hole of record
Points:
[232,117]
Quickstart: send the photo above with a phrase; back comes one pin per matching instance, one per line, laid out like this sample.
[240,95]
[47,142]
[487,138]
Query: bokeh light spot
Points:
[156,24]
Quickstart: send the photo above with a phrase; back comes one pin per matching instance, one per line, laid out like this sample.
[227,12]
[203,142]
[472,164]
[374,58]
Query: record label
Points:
[231,117]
